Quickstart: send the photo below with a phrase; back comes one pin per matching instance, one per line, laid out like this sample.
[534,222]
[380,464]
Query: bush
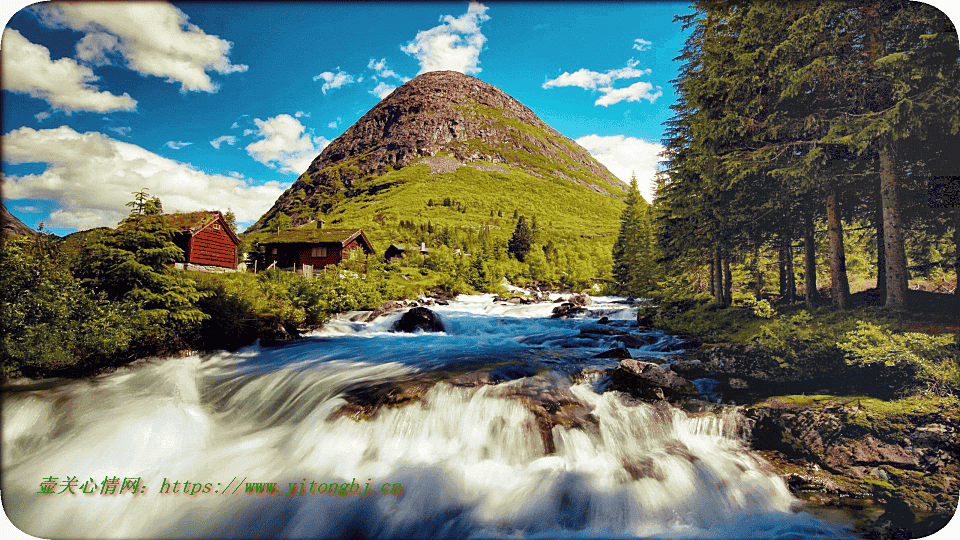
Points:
[933,359]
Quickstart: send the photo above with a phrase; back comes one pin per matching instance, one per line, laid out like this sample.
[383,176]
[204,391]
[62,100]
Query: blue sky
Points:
[222,105]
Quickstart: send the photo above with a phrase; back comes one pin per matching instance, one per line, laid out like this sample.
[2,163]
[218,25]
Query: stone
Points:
[649,381]
[418,318]
[619,352]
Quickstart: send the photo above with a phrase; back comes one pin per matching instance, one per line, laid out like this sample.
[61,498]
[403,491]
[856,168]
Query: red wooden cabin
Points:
[205,238]
[314,247]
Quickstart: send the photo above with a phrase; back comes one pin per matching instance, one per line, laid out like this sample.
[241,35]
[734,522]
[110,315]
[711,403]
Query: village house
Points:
[311,248]
[207,240]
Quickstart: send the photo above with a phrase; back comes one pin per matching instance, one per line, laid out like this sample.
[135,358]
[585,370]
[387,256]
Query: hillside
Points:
[450,150]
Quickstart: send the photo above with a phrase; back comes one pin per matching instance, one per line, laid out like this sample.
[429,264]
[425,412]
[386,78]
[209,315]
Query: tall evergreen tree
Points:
[521,241]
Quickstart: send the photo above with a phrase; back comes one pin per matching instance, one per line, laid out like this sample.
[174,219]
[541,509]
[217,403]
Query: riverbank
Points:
[858,410]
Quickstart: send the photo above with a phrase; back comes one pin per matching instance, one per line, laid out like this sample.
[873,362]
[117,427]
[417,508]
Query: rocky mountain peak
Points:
[445,119]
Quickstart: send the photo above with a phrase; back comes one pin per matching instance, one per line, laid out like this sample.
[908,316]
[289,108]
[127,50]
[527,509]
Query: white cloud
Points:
[603,82]
[301,114]
[455,45]
[332,81]
[634,92]
[626,156]
[122,130]
[64,84]
[152,38]
[334,124]
[593,80]
[176,145]
[380,67]
[28,209]
[285,144]
[383,90]
[90,176]
[641,44]
[229,139]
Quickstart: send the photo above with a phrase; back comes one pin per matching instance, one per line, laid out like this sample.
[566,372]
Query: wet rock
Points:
[418,318]
[635,342]
[580,299]
[648,381]
[601,330]
[386,308]
[689,369]
[566,310]
[619,352]
[604,320]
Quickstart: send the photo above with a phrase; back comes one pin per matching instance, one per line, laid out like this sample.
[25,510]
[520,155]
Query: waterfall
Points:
[539,454]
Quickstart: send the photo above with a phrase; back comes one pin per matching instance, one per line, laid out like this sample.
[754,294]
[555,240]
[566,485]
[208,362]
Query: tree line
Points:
[794,119]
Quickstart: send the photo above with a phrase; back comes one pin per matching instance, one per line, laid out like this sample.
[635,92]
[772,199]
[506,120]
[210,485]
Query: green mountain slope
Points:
[446,150]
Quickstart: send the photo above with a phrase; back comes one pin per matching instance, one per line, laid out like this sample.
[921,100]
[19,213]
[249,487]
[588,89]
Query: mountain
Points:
[452,150]
[11,226]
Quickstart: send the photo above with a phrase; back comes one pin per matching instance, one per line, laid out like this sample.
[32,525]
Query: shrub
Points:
[933,358]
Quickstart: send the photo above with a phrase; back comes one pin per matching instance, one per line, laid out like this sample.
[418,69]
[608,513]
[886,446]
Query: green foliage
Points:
[49,321]
[935,358]
[131,264]
[521,242]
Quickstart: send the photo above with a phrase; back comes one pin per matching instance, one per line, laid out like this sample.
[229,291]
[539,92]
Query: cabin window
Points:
[318,252]
[273,251]
[216,226]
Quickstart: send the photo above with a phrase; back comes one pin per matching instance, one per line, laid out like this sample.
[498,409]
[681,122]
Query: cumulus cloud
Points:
[634,92]
[603,82]
[285,144]
[383,90]
[641,44]
[335,123]
[176,145]
[151,38]
[455,45]
[301,114]
[229,139]
[332,81]
[382,71]
[90,177]
[121,130]
[625,157]
[64,84]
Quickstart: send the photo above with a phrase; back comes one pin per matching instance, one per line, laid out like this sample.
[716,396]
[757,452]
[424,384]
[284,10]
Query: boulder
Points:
[565,310]
[648,381]
[418,318]
[619,352]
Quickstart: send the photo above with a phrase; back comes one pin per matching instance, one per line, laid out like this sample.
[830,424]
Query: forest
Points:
[801,129]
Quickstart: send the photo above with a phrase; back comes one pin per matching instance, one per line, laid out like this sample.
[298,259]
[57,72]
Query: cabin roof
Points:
[190,222]
[340,237]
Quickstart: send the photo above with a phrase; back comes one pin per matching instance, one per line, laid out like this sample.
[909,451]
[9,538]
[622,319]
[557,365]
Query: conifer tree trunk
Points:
[757,274]
[896,257]
[717,274]
[839,286]
[881,251]
[711,281]
[791,277]
[781,267]
[809,261]
[727,281]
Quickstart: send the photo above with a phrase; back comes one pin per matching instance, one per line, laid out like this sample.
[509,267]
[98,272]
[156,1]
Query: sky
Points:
[219,105]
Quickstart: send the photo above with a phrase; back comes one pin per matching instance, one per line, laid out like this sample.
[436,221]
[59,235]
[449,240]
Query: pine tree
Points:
[521,241]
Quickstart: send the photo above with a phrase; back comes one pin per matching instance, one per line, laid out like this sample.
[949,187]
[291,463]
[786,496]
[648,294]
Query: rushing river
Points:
[180,440]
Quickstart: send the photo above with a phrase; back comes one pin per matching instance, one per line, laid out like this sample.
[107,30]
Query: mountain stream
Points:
[497,427]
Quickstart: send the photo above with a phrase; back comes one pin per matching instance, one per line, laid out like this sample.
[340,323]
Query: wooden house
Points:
[314,247]
[205,238]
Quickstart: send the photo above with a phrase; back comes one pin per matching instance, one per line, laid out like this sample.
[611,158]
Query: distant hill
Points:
[13,226]
[450,150]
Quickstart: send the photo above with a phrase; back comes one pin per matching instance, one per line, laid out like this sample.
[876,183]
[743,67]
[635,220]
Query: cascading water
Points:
[538,454]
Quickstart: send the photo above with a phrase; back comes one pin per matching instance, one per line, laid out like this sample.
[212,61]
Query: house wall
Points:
[213,247]
[334,256]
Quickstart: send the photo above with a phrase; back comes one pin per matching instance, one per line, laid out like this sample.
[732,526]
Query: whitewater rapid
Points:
[460,460]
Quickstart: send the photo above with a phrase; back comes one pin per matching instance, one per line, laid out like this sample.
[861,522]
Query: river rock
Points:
[619,352]
[648,381]
[418,318]
[565,310]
